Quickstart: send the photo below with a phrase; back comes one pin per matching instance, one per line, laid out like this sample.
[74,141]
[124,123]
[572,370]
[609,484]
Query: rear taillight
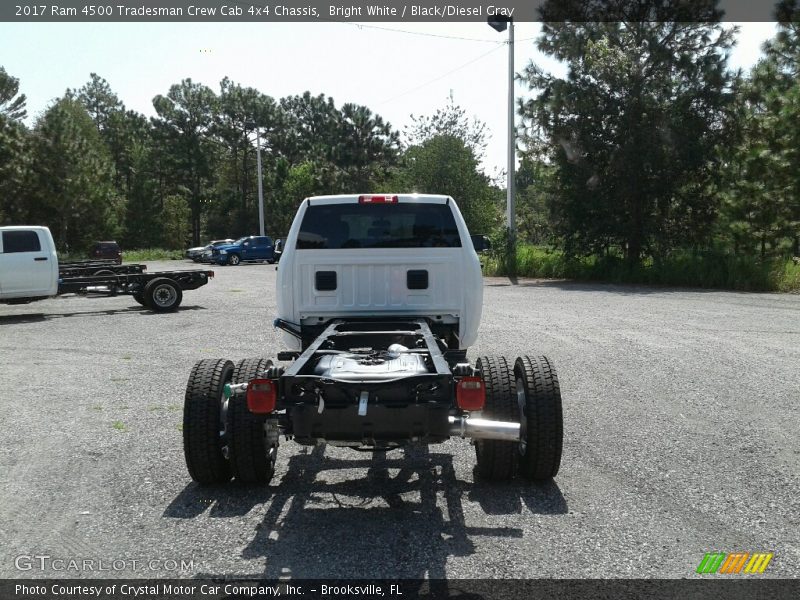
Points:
[261,396]
[377,199]
[470,393]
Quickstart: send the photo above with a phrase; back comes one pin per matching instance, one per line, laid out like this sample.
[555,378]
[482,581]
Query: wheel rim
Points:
[271,437]
[234,259]
[523,417]
[223,426]
[165,296]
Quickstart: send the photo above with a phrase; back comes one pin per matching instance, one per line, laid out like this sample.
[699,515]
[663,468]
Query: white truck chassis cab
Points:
[379,297]
[30,271]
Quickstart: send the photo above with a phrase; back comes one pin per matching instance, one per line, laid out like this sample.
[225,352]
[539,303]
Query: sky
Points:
[395,69]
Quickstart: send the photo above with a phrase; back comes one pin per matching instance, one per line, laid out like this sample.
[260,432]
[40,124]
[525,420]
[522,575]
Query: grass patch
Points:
[168,407]
[135,255]
[146,254]
[126,357]
[97,407]
[681,268]
[788,276]
[119,426]
[236,290]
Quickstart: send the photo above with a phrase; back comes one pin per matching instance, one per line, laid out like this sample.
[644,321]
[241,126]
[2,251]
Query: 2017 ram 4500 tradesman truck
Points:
[379,297]
[29,270]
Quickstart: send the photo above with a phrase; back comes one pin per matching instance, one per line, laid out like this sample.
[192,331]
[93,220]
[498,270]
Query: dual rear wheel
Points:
[527,392]
[222,439]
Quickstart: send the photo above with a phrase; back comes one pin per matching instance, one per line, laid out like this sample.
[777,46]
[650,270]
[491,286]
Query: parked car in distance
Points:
[481,243]
[196,253]
[248,248]
[106,251]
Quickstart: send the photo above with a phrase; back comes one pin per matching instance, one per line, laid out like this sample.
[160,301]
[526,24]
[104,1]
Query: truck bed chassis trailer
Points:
[160,291]
[92,268]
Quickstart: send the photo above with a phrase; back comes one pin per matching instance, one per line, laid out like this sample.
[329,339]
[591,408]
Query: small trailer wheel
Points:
[541,418]
[497,459]
[254,439]
[163,294]
[205,433]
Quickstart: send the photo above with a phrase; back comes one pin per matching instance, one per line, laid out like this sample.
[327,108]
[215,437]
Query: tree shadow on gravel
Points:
[622,289]
[404,519]
[39,317]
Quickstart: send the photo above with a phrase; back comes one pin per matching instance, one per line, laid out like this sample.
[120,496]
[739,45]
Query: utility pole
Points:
[260,184]
[260,178]
[500,23]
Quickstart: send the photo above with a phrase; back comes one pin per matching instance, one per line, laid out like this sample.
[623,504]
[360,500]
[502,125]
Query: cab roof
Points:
[401,198]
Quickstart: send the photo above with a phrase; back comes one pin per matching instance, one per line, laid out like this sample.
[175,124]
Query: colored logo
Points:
[735,562]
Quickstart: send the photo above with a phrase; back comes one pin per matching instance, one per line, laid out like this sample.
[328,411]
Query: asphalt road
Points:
[681,437]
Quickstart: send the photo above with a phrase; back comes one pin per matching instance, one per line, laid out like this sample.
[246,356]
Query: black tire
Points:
[233,259]
[205,434]
[163,294]
[497,459]
[139,297]
[254,439]
[541,418]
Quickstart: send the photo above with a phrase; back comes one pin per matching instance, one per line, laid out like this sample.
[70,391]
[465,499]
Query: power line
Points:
[422,33]
[466,64]
[393,30]
[405,31]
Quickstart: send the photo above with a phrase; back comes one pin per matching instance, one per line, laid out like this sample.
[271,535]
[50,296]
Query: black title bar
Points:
[744,588]
[201,11]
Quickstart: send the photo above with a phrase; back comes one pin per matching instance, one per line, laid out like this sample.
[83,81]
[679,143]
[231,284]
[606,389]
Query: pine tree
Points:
[633,126]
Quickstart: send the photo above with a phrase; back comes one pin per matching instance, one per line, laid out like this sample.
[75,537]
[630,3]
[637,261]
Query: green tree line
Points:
[89,168]
[651,146]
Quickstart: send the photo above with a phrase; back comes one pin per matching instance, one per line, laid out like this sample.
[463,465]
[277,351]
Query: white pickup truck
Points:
[379,296]
[28,264]
[29,271]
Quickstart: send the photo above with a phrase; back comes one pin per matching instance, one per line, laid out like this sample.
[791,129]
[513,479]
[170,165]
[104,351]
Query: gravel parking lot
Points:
[681,438]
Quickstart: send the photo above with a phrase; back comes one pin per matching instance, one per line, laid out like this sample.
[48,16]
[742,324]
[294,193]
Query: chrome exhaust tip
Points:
[484,429]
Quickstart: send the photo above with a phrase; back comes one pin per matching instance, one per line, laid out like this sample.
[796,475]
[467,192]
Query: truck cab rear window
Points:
[21,241]
[337,226]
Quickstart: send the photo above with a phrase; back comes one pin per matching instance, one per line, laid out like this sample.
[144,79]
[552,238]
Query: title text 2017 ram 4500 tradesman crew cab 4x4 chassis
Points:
[379,297]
